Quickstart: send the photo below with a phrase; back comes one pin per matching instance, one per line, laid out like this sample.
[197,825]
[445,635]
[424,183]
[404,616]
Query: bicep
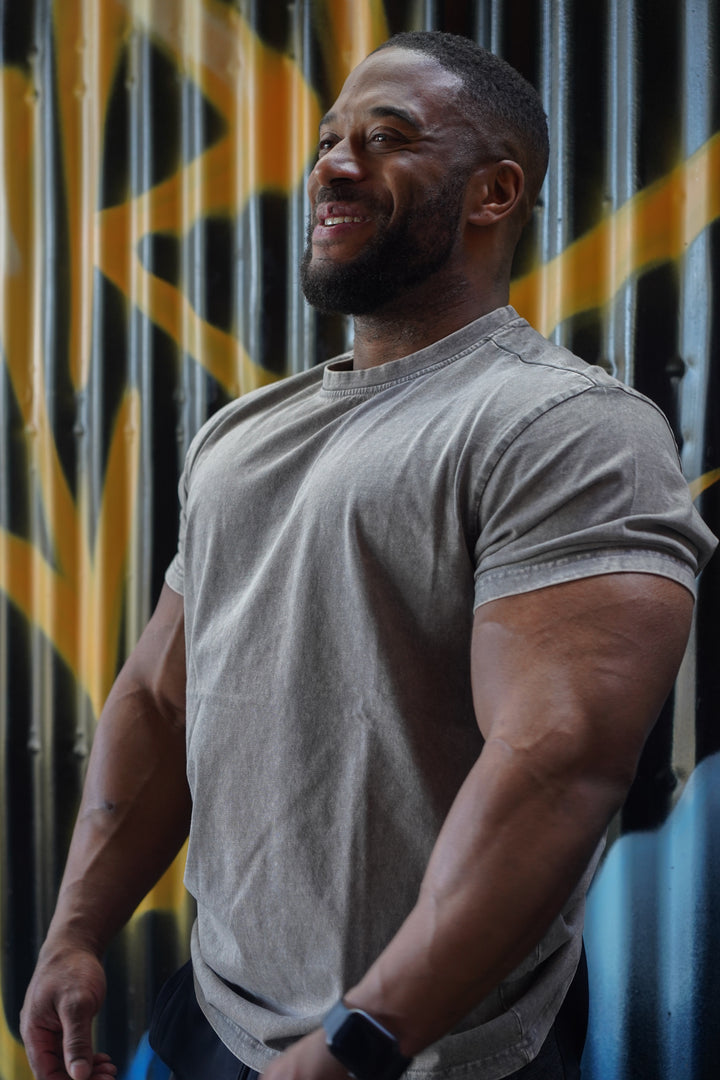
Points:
[156,667]
[578,672]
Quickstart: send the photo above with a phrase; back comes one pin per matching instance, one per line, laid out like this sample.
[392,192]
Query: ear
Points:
[495,190]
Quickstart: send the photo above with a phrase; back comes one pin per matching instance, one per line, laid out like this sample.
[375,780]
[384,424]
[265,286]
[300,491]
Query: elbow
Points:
[581,774]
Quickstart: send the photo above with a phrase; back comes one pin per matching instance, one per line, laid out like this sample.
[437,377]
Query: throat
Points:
[413,323]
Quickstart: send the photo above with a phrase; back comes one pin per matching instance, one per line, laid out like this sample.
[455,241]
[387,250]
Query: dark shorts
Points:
[182,1037]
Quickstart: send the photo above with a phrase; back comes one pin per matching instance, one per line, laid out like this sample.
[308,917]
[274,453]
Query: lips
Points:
[340,229]
[332,214]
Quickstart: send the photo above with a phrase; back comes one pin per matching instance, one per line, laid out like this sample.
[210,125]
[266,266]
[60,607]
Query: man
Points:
[432,597]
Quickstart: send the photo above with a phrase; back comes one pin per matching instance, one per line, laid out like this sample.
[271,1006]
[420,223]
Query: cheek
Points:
[415,187]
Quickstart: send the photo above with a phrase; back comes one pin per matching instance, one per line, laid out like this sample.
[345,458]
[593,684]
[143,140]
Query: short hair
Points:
[502,106]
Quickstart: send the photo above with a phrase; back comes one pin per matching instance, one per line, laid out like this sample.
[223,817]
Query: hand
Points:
[63,997]
[307,1059]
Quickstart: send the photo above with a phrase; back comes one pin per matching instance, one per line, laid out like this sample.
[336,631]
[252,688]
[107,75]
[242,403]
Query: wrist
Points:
[362,1044]
[73,936]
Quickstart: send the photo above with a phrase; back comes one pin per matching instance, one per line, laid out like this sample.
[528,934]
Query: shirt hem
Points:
[513,581]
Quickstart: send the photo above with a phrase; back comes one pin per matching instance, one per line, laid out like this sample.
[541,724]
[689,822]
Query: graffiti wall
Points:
[152,214]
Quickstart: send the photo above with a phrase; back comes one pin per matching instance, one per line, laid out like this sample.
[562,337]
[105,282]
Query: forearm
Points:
[509,855]
[133,819]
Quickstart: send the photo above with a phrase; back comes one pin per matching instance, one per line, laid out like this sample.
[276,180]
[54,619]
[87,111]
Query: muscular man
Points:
[427,603]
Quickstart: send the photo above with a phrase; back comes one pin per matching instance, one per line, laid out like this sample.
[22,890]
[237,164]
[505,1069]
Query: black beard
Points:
[401,255]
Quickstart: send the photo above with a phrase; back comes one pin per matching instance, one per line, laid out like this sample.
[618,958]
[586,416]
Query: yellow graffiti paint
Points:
[655,226]
[12,1053]
[78,603]
[169,894]
[271,118]
[87,586]
[704,482]
[348,31]
[89,39]
[55,595]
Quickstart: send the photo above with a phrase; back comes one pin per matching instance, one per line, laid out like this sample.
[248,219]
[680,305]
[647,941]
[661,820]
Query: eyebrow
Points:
[378,111]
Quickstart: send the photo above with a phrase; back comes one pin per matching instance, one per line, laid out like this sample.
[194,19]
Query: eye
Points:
[386,138]
[325,143]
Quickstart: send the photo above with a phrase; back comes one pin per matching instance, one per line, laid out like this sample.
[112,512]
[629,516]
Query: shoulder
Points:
[523,389]
[535,362]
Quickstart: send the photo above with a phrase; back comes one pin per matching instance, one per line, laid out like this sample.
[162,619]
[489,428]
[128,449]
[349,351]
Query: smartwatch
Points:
[363,1046]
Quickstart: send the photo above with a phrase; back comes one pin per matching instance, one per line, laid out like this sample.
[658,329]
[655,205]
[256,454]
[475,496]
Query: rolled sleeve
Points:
[591,486]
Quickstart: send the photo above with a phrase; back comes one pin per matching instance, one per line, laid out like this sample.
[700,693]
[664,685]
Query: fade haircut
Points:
[504,110]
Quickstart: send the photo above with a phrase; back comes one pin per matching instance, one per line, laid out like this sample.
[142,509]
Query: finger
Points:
[103,1067]
[44,1052]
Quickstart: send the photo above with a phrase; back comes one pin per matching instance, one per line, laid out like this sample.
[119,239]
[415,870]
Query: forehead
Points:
[403,79]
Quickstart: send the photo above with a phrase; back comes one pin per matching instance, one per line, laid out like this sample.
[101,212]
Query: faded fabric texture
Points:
[338,529]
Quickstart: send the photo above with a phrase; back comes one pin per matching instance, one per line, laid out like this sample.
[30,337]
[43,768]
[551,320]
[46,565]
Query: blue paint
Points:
[146,1065]
[653,943]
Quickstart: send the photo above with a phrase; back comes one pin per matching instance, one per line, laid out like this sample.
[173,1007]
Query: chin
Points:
[346,288]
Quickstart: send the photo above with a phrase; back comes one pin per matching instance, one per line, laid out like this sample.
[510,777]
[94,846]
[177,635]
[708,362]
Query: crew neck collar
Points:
[339,374]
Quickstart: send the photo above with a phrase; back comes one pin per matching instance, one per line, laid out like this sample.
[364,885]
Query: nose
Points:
[337,164]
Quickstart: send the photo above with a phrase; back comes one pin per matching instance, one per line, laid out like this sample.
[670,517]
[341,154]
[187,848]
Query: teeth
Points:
[341,220]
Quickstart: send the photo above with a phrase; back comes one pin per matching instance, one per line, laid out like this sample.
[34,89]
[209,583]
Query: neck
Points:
[403,327]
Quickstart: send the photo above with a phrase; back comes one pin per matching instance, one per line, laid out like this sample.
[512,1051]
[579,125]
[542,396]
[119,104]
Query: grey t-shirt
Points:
[337,531]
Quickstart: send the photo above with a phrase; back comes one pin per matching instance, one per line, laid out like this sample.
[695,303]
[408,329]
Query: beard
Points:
[402,254]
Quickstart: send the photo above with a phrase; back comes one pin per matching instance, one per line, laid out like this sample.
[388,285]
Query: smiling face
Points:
[387,190]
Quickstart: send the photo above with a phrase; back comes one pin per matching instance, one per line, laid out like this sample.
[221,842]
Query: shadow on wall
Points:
[653,942]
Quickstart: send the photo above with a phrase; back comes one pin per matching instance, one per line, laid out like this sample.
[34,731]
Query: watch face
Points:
[359,1040]
[362,1045]
[365,1048]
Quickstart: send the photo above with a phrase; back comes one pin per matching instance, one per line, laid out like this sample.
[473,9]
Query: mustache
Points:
[337,193]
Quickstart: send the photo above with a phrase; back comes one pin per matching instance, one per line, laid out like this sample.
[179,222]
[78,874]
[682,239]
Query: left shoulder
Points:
[537,390]
[520,340]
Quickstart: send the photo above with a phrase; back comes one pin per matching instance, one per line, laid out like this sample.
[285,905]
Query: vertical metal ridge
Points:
[42,306]
[621,179]
[698,301]
[555,226]
[698,292]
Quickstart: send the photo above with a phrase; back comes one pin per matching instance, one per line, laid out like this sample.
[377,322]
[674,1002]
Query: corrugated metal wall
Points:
[151,219]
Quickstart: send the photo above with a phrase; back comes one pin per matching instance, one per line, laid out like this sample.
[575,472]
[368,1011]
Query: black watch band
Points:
[363,1046]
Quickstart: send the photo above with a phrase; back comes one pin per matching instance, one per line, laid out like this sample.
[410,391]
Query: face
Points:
[387,191]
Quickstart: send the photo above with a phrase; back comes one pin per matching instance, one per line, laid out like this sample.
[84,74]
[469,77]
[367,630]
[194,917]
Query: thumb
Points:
[78,1060]
[79,1068]
[77,1045]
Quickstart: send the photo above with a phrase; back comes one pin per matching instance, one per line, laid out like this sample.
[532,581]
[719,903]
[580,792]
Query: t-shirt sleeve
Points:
[591,486]
[175,573]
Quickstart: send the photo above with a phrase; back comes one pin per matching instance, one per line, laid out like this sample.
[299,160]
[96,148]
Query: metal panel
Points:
[152,214]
